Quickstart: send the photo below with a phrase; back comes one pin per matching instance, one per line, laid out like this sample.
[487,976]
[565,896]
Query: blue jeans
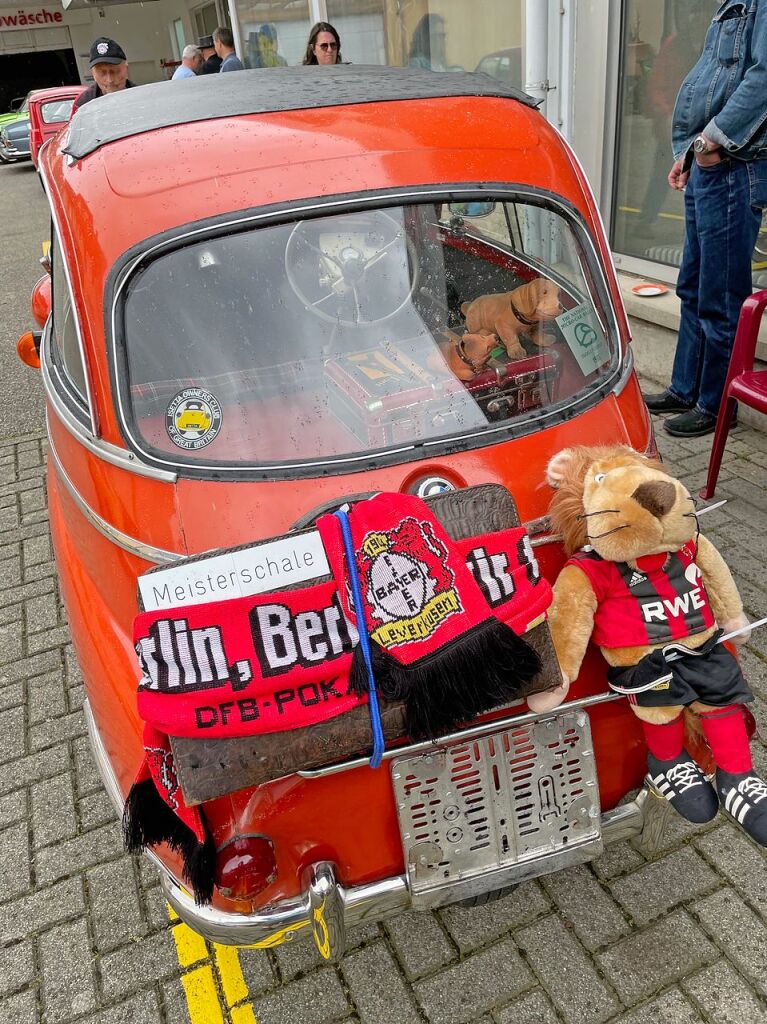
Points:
[721,226]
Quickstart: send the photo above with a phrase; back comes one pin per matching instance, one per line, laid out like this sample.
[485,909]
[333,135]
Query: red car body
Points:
[118,506]
[49,111]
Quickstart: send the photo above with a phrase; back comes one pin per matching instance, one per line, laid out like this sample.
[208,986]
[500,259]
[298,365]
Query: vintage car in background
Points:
[49,111]
[287,251]
[18,140]
[15,141]
[13,109]
[41,114]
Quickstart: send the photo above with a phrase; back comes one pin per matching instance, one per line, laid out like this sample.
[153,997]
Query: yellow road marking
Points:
[277,938]
[230,972]
[191,948]
[216,990]
[243,1015]
[201,996]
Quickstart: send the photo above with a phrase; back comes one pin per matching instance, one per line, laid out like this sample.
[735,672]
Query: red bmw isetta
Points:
[262,297]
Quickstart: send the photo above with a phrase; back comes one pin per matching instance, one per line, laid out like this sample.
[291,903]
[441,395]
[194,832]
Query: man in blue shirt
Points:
[719,139]
[191,62]
[223,40]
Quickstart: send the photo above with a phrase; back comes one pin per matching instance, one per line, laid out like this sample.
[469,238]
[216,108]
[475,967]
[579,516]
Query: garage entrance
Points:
[37,69]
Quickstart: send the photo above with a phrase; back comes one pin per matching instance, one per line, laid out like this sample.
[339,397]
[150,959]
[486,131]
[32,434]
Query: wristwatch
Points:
[700,144]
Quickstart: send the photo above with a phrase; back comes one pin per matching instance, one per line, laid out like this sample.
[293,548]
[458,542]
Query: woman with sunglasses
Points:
[324,46]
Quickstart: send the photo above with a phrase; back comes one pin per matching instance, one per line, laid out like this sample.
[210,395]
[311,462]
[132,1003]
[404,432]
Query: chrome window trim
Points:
[75,311]
[147,552]
[120,457]
[627,368]
[360,202]
[55,377]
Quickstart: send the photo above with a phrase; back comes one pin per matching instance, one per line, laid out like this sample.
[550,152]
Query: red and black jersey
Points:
[660,600]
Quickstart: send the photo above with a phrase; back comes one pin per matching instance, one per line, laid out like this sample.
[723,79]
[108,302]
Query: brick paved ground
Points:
[84,933]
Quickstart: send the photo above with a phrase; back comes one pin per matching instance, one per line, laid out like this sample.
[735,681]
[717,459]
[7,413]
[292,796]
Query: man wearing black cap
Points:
[110,71]
[211,61]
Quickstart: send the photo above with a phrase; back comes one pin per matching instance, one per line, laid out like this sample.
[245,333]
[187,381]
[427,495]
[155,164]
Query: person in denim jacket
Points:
[719,140]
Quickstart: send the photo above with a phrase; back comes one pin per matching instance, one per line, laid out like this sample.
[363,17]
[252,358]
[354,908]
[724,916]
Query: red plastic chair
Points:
[743,384]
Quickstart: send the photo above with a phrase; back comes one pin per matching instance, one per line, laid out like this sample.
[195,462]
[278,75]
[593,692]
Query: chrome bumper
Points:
[10,154]
[329,908]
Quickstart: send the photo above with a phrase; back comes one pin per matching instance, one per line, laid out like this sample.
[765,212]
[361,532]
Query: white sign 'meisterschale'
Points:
[255,570]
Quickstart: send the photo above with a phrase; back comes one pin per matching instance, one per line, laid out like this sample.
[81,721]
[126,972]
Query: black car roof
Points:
[163,104]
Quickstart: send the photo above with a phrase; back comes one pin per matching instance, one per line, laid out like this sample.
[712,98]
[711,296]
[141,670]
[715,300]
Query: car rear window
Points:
[56,110]
[383,329]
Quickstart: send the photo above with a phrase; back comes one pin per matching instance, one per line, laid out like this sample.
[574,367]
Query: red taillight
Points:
[41,300]
[244,866]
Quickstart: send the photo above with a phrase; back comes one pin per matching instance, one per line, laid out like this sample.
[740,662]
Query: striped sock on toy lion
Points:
[644,584]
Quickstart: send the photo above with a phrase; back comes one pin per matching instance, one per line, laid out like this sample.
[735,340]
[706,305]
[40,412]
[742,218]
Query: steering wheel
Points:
[354,269]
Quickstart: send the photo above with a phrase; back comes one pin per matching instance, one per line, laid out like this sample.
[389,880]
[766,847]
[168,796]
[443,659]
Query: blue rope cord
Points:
[362,629]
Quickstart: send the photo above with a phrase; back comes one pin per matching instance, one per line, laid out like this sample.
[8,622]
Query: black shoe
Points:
[665,402]
[744,799]
[685,787]
[690,424]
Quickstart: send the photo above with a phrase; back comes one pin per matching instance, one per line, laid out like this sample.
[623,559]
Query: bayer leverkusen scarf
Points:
[435,641]
[156,812]
[279,661]
[282,661]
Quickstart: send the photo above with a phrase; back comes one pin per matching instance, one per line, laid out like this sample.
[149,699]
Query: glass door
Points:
[661,41]
[273,33]
[441,35]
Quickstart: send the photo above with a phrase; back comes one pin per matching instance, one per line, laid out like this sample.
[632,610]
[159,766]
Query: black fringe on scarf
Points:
[147,820]
[484,667]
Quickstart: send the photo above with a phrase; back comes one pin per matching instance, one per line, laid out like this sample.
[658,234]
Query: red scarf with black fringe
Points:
[436,642]
[443,619]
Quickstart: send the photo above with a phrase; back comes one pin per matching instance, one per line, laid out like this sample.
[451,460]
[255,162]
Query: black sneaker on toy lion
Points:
[653,594]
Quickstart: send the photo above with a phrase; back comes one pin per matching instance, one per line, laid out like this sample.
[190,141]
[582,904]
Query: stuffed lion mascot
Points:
[655,596]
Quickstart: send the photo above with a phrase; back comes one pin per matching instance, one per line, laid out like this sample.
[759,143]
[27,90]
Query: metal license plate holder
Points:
[495,811]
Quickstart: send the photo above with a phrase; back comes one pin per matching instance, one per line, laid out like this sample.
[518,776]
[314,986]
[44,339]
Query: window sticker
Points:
[584,336]
[193,419]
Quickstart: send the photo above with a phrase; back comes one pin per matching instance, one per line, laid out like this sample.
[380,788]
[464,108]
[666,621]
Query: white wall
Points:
[143,31]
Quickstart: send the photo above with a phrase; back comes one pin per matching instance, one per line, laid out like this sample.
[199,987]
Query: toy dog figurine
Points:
[650,590]
[467,355]
[510,314]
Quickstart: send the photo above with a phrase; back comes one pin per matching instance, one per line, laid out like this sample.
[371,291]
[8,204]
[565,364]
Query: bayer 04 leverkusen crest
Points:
[407,582]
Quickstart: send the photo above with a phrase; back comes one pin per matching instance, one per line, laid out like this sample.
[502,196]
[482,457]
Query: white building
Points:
[607,71]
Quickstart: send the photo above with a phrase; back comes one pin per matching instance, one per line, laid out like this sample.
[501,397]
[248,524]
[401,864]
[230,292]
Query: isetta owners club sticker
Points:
[193,419]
